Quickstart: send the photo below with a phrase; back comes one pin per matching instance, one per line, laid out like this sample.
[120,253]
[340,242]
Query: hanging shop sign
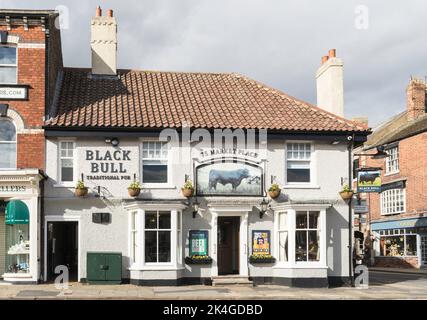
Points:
[236,178]
[369,181]
[13,93]
[110,164]
[260,242]
[198,243]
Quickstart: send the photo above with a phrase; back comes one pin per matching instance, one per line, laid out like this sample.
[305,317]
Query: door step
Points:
[234,280]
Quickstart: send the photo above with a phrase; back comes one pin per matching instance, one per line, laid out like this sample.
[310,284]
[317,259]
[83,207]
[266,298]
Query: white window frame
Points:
[313,161]
[392,161]
[59,157]
[157,230]
[291,263]
[11,65]
[277,233]
[160,185]
[12,142]
[176,244]
[383,198]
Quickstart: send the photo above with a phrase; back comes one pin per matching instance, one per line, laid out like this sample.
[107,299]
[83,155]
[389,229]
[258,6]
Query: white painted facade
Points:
[329,168]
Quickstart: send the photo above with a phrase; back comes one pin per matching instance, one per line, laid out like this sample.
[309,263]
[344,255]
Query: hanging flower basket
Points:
[265,258]
[187,192]
[134,192]
[198,260]
[346,195]
[81,192]
[274,191]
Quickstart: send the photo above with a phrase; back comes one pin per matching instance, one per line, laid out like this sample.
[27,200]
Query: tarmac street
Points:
[382,285]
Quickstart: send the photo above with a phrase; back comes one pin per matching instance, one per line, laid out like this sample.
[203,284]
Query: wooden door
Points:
[228,245]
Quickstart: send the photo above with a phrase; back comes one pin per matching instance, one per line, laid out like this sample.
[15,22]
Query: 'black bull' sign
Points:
[369,181]
[226,178]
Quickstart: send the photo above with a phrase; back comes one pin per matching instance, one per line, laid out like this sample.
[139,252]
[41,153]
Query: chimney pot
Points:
[98,11]
[332,53]
[325,59]
[110,13]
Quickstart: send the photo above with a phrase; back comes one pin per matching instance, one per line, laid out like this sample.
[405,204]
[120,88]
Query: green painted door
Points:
[114,270]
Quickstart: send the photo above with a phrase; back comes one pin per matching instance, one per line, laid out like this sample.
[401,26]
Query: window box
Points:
[255,259]
[198,260]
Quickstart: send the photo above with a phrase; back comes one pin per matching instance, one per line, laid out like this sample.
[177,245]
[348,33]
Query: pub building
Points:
[30,57]
[109,129]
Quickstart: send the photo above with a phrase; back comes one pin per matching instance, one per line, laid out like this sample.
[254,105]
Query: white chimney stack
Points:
[103,43]
[330,84]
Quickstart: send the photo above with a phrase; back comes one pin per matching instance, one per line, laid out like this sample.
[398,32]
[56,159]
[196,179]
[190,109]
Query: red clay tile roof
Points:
[147,99]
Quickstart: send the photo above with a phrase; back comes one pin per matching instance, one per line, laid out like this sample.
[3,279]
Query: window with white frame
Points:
[398,242]
[298,162]
[157,234]
[8,65]
[282,236]
[155,162]
[179,236]
[66,161]
[7,144]
[307,236]
[133,235]
[392,161]
[393,201]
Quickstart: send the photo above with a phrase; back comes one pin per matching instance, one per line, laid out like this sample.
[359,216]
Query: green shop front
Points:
[19,227]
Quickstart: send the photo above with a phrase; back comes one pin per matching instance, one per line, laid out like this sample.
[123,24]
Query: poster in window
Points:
[369,181]
[260,242]
[229,177]
[198,243]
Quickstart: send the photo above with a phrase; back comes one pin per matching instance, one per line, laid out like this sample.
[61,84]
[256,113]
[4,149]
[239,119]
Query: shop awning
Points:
[398,224]
[17,212]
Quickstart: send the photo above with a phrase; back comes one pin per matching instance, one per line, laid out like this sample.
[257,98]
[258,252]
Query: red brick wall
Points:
[31,71]
[413,167]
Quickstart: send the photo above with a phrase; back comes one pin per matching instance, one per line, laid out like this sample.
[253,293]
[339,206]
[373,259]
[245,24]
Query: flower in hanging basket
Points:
[81,190]
[196,259]
[187,189]
[134,189]
[262,258]
[274,191]
[346,193]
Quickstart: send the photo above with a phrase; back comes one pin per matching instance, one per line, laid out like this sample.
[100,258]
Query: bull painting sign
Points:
[369,181]
[229,178]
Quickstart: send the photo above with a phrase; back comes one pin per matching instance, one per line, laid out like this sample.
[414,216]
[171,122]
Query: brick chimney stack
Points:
[330,84]
[416,99]
[104,43]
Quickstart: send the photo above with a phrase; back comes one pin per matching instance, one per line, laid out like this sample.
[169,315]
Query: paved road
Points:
[383,285]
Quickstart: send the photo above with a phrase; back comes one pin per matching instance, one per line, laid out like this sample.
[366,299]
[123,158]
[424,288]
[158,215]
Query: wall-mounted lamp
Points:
[114,141]
[263,208]
[195,207]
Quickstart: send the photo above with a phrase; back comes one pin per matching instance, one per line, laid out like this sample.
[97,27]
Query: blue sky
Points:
[278,42]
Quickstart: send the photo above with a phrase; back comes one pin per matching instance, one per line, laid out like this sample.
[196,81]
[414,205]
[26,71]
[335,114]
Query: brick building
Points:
[398,215]
[30,59]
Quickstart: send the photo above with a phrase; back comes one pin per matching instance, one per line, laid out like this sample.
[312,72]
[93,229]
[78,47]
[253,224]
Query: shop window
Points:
[298,162]
[392,161]
[398,243]
[66,161]
[7,144]
[8,65]
[393,201]
[155,162]
[157,236]
[307,236]
[282,236]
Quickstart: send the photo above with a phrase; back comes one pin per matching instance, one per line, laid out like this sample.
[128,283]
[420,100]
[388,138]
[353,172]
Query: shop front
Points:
[401,243]
[19,225]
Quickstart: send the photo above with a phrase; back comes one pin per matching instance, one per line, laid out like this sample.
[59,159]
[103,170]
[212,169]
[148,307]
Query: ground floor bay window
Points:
[300,236]
[155,238]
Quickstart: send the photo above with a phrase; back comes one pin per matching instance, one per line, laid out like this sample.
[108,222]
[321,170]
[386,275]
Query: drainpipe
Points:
[350,216]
